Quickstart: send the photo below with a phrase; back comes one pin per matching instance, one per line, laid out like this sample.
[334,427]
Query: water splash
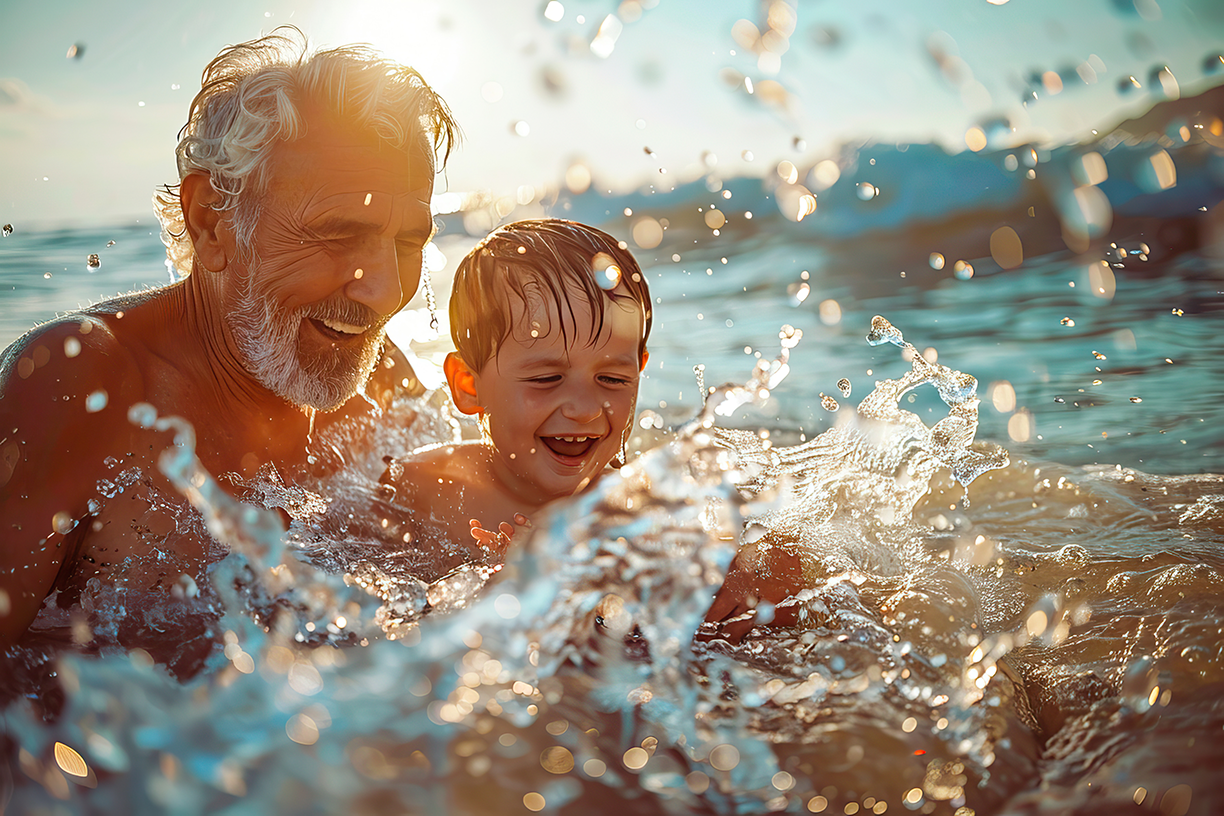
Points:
[571,674]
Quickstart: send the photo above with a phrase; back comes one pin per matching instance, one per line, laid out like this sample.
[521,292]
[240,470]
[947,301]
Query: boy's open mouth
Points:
[573,447]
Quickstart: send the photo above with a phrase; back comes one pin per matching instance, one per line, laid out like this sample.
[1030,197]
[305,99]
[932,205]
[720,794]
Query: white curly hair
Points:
[251,97]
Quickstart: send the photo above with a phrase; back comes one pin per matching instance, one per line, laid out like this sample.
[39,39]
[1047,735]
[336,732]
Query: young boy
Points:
[550,320]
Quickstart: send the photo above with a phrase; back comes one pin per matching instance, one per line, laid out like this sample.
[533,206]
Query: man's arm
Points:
[64,393]
[772,574]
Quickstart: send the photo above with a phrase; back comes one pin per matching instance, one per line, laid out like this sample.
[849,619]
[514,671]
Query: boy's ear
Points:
[645,357]
[209,229]
[462,384]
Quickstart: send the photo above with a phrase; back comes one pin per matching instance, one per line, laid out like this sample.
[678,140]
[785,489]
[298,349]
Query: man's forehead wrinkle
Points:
[324,210]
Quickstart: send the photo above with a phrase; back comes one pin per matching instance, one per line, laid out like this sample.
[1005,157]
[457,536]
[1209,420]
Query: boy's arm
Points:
[63,411]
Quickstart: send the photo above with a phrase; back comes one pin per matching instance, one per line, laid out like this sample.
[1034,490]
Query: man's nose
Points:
[379,282]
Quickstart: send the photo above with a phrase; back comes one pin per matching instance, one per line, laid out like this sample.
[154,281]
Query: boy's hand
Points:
[497,541]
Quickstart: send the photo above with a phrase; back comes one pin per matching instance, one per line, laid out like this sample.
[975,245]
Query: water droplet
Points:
[110,243]
[884,332]
[1162,78]
[962,270]
[62,523]
[69,761]
[647,233]
[93,261]
[75,51]
[1060,401]
[1099,355]
[866,191]
[843,385]
[607,273]
[96,401]
[1136,399]
[46,276]
[1066,321]
[828,403]
[8,230]
[788,172]
[937,261]
[724,757]
[790,336]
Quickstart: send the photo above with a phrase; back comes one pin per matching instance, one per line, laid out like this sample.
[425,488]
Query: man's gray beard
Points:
[267,339]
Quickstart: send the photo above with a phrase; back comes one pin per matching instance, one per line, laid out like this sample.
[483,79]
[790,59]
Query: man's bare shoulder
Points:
[64,392]
[73,359]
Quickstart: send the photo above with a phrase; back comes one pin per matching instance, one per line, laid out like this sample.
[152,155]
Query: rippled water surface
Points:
[1046,640]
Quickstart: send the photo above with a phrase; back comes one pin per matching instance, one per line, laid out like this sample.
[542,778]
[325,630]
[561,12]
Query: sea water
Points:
[1043,635]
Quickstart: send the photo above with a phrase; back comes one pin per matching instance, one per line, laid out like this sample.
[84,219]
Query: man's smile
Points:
[337,329]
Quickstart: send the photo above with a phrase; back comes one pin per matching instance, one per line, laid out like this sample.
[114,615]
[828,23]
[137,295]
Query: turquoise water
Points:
[1048,643]
[1003,326]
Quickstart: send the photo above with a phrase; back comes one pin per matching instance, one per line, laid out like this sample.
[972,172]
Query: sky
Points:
[638,92]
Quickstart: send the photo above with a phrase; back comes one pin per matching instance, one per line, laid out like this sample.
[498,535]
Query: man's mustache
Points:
[346,311]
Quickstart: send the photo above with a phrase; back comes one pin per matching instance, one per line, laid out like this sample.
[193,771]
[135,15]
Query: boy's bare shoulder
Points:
[465,463]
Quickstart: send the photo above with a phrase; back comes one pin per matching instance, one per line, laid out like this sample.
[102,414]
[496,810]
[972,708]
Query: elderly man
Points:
[299,224]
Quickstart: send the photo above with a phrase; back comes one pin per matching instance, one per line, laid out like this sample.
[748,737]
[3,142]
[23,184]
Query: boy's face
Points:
[556,413]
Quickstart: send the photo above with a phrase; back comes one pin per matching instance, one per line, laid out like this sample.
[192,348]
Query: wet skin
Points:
[771,574]
[553,413]
[338,201]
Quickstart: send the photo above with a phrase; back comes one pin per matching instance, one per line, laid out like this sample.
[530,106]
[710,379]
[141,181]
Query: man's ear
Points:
[645,357]
[462,384]
[209,229]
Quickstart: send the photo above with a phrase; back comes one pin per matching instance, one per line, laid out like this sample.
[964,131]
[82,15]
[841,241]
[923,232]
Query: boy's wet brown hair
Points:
[542,261]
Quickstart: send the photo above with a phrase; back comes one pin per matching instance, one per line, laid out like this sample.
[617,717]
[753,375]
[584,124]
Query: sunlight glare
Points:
[408,34]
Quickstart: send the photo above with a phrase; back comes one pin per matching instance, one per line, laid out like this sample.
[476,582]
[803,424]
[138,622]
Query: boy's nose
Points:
[581,406]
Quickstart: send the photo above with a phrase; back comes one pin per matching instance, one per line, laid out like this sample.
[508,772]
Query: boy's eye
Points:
[548,379]
[608,379]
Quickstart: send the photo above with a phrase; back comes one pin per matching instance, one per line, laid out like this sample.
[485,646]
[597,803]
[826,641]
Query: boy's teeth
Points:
[341,326]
